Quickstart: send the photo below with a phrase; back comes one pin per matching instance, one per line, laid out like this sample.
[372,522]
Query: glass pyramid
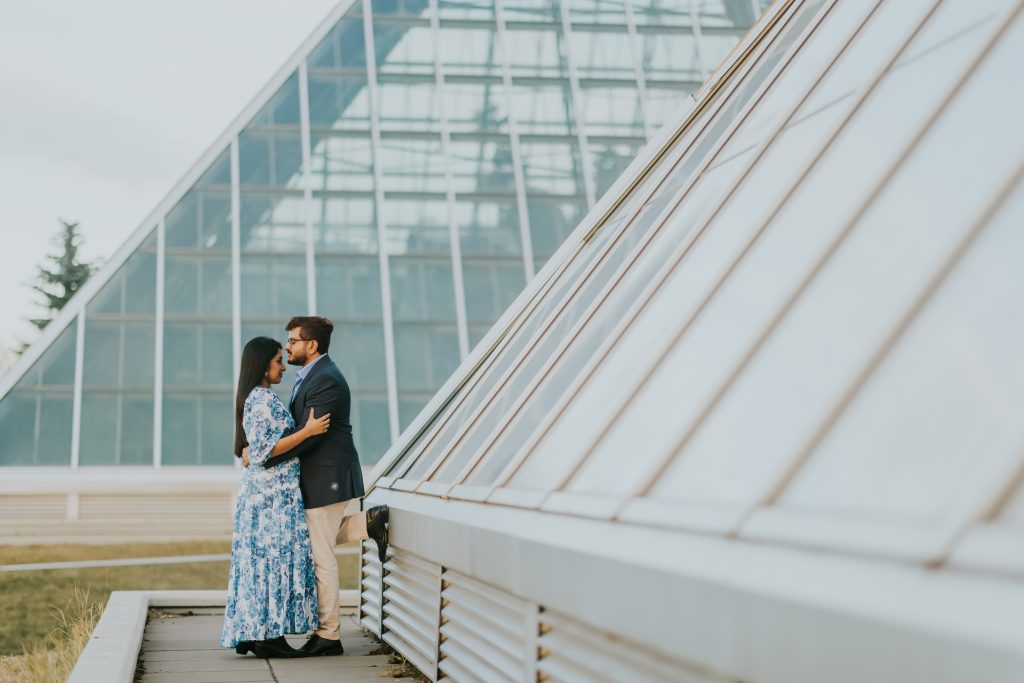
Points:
[405,174]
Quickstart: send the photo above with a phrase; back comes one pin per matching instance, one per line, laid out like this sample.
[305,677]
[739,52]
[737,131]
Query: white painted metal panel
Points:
[486,634]
[575,653]
[371,588]
[411,609]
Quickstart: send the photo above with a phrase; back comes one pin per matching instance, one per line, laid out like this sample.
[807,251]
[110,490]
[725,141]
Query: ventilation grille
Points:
[370,589]
[33,508]
[412,605]
[486,634]
[571,652]
[214,511]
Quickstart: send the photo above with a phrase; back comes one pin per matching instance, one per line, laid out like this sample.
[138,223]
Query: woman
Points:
[271,586]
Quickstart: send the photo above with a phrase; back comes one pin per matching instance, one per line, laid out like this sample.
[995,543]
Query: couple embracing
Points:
[298,497]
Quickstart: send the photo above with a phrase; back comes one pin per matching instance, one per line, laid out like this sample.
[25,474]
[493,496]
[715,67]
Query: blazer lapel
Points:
[305,384]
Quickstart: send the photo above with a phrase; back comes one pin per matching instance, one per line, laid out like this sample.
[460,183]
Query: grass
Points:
[53,658]
[35,605]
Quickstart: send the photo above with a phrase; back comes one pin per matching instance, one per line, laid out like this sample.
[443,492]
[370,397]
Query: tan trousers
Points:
[329,526]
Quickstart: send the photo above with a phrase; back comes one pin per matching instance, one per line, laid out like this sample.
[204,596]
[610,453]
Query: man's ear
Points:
[312,347]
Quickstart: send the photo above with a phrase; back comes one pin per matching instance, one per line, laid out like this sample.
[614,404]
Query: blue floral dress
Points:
[271,586]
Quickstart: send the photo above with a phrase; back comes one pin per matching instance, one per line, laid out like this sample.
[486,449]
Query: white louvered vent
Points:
[486,634]
[214,511]
[573,652]
[33,508]
[412,606]
[370,589]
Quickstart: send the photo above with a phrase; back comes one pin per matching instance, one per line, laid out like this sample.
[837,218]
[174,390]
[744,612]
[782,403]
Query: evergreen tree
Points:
[62,274]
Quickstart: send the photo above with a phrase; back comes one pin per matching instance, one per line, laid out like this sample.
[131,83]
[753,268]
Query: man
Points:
[331,478]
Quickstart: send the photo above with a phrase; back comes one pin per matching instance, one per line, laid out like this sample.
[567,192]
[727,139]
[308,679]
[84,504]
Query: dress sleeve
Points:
[263,427]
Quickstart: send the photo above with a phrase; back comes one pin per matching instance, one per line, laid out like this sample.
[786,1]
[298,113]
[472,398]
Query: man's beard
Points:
[296,360]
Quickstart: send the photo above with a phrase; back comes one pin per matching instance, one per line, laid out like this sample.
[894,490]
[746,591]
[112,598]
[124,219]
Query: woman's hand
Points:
[316,425]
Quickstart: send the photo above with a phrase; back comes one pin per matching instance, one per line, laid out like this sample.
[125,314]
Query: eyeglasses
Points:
[292,341]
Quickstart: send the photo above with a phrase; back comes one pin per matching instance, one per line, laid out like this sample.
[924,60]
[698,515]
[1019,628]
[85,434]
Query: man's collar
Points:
[305,369]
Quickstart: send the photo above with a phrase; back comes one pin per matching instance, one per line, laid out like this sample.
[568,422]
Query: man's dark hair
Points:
[314,328]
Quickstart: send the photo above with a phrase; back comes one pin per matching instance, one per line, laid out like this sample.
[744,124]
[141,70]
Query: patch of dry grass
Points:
[53,657]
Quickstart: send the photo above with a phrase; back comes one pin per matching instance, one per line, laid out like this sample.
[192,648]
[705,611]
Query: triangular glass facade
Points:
[406,176]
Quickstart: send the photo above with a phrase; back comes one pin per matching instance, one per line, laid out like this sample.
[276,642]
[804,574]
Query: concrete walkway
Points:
[184,648]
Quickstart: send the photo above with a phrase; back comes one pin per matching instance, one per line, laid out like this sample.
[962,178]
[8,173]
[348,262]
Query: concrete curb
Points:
[113,649]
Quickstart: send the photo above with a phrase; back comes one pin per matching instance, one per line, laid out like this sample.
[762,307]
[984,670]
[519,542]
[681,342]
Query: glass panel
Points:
[409,406]
[348,288]
[729,14]
[466,9]
[201,220]
[18,416]
[552,167]
[273,286]
[551,221]
[470,51]
[344,224]
[616,110]
[358,349]
[531,10]
[600,54]
[35,416]
[609,161]
[488,226]
[132,290]
[422,289]
[344,47]
[663,12]
[118,354]
[272,221]
[412,165]
[283,107]
[55,409]
[482,165]
[117,429]
[491,286]
[403,46]
[338,101]
[198,430]
[371,427]
[425,356]
[611,12]
[671,57]
[197,286]
[543,109]
[199,354]
[341,163]
[408,105]
[537,53]
[474,107]
[416,226]
[270,158]
[664,104]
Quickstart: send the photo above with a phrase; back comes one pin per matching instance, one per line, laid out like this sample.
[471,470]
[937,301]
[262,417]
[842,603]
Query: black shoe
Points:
[244,647]
[377,529]
[275,648]
[321,647]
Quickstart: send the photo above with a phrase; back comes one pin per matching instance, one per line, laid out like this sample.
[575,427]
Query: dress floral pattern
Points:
[271,585]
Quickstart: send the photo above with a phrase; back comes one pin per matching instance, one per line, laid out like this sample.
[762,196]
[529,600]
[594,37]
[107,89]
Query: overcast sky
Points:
[107,103]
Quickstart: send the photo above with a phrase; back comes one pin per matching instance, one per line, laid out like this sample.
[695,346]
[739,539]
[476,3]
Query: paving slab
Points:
[184,648]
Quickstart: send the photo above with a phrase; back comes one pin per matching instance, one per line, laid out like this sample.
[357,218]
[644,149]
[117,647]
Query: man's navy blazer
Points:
[329,463]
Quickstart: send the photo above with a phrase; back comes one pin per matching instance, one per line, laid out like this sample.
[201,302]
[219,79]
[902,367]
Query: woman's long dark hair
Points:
[256,357]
